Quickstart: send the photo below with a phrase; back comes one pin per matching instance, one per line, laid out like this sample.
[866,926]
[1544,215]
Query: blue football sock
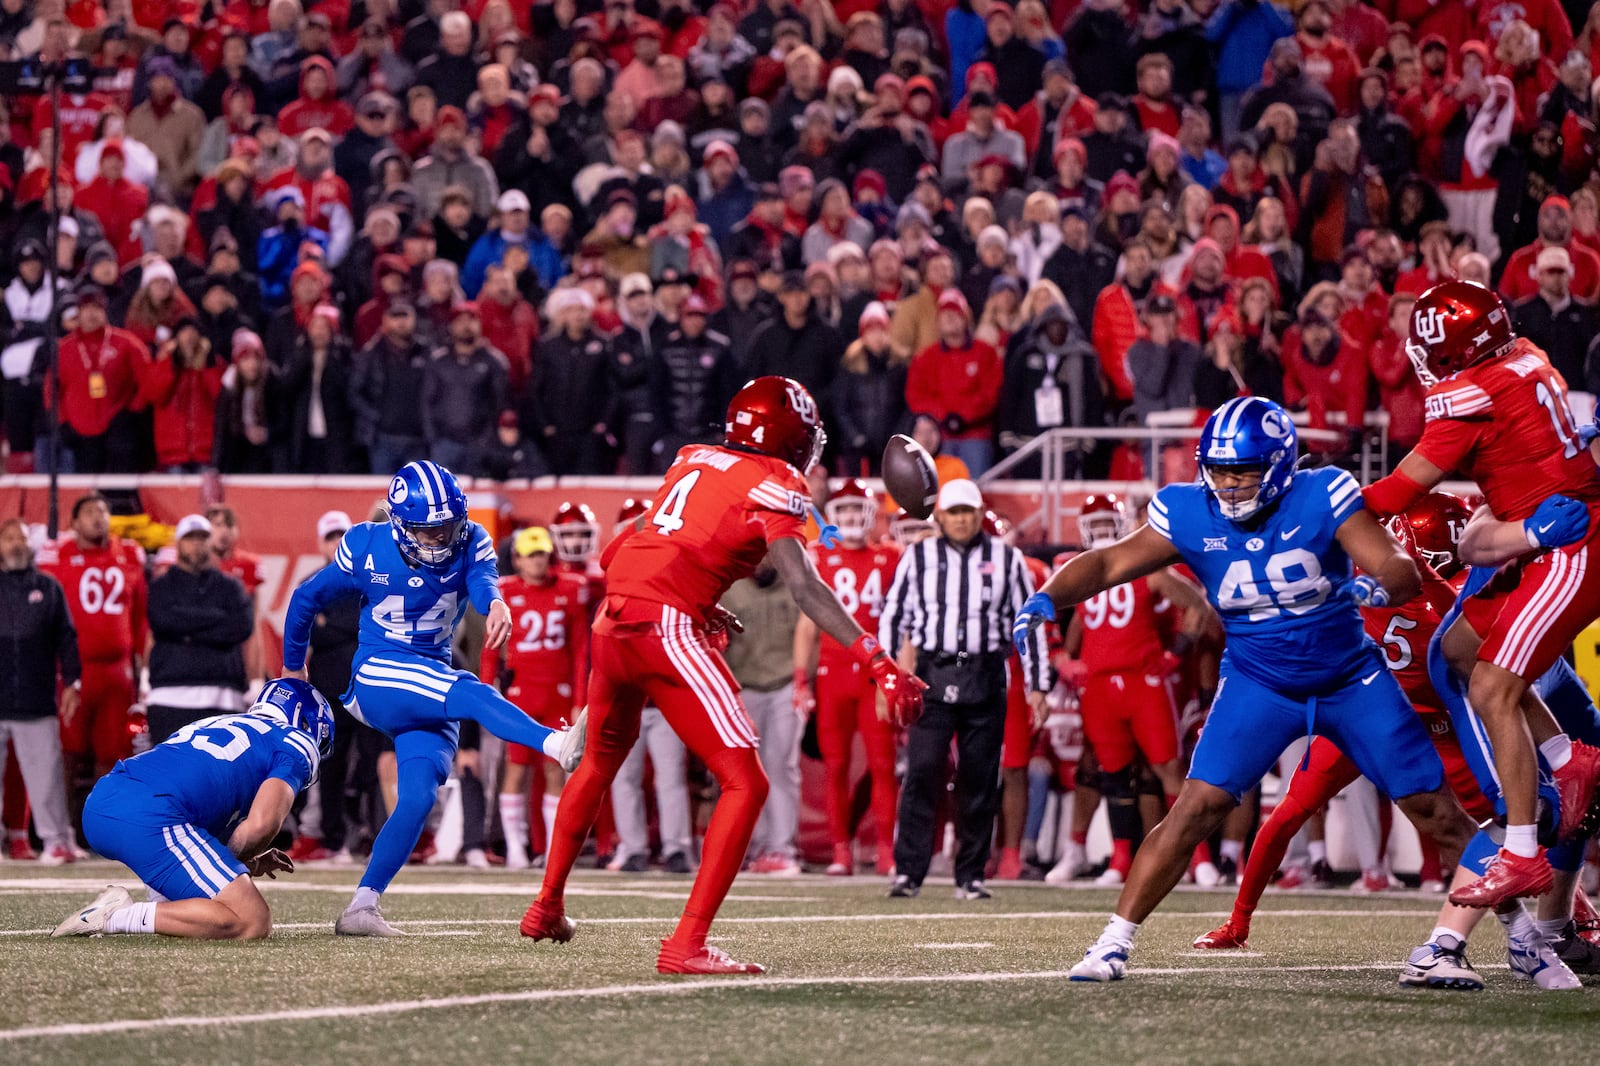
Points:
[391,848]
[473,699]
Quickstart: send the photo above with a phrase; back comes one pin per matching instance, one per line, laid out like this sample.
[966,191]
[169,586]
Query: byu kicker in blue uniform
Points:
[416,574]
[1274,548]
[194,818]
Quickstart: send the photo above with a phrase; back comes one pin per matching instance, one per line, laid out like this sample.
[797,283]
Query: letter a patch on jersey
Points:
[369,562]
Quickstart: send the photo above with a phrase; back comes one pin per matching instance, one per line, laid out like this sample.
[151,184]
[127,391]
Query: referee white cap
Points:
[960,492]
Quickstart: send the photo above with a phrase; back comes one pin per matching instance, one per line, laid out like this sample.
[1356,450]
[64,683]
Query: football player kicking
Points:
[165,814]
[656,639]
[416,574]
[1273,548]
[1497,413]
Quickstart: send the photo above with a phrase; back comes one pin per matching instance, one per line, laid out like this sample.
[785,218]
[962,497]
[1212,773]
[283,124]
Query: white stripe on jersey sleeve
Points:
[770,495]
[1158,518]
[342,558]
[303,744]
[1344,495]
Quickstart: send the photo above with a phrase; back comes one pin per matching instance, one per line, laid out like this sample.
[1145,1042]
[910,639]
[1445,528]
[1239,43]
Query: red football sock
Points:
[1272,843]
[1432,869]
[1080,839]
[1122,855]
[744,792]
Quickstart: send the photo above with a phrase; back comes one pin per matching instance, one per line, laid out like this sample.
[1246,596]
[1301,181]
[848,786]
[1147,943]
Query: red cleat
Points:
[1508,877]
[308,849]
[1575,782]
[20,850]
[702,960]
[1586,918]
[885,863]
[547,921]
[1010,867]
[1226,937]
[424,850]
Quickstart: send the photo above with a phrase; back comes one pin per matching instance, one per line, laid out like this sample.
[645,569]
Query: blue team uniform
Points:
[166,814]
[1562,691]
[1297,660]
[402,683]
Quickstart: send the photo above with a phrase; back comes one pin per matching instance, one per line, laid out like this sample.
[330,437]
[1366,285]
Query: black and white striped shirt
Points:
[950,600]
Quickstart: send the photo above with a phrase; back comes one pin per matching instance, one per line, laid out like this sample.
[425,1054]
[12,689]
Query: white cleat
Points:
[1071,865]
[572,740]
[1441,964]
[1111,878]
[1101,963]
[477,860]
[364,921]
[1533,959]
[1206,875]
[91,920]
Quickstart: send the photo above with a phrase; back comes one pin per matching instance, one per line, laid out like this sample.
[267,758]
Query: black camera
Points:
[33,77]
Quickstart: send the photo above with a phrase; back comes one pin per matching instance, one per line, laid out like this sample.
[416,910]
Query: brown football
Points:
[910,476]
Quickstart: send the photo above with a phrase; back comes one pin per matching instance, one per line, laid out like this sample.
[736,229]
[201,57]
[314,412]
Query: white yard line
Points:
[976,945]
[811,919]
[655,988]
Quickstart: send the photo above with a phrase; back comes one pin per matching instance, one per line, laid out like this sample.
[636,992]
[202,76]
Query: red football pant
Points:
[540,701]
[648,652]
[1325,774]
[1125,714]
[847,701]
[1556,597]
[100,728]
[1017,747]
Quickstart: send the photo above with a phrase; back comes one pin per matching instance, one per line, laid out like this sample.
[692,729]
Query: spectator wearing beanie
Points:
[568,409]
[682,243]
[1313,107]
[232,207]
[181,385]
[315,405]
[1102,47]
[1114,145]
[746,309]
[1079,267]
[1051,379]
[117,202]
[170,126]
[1324,370]
[836,222]
[385,390]
[278,249]
[957,381]
[248,410]
[868,396]
[982,137]
[797,343]
[699,378]
[1161,364]
[888,140]
[452,162]
[913,322]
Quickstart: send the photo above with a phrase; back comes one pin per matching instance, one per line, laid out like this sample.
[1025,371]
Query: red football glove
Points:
[720,622]
[1171,662]
[1072,671]
[902,692]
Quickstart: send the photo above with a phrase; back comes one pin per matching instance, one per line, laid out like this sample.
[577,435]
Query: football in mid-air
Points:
[910,476]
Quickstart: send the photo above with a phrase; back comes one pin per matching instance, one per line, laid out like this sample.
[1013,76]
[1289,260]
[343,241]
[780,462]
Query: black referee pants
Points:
[979,730]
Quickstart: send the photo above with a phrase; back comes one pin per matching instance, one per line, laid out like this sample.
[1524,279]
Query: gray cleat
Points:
[572,740]
[364,921]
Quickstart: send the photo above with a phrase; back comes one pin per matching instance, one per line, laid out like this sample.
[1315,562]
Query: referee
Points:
[953,600]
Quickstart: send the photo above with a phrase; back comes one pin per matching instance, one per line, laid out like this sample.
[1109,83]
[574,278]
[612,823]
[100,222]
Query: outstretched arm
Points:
[327,585]
[1487,541]
[1142,552]
[1413,479]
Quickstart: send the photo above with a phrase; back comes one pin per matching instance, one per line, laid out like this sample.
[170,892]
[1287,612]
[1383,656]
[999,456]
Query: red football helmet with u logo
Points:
[776,416]
[1454,325]
[1430,529]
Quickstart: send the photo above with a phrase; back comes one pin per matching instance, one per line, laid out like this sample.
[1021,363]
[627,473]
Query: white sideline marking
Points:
[1226,953]
[663,891]
[953,916]
[976,945]
[363,1010]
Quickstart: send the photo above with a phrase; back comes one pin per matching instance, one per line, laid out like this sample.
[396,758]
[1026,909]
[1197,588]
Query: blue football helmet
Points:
[296,704]
[1248,432]
[424,496]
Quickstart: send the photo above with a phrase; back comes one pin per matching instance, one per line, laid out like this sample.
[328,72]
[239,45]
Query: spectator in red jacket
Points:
[510,325]
[1204,291]
[957,381]
[100,367]
[1153,103]
[1367,304]
[1324,371]
[1399,390]
[181,385]
[1546,17]
[1329,61]
[318,105]
[1116,315]
[1520,277]
[1532,76]
[1433,260]
[117,202]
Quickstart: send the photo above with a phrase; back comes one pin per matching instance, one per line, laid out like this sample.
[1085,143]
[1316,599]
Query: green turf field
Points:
[854,977]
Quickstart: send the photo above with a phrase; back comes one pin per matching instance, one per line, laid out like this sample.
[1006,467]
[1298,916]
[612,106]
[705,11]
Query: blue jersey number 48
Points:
[1293,583]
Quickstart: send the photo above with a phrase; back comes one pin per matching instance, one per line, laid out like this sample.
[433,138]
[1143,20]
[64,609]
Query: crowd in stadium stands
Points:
[554,238]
